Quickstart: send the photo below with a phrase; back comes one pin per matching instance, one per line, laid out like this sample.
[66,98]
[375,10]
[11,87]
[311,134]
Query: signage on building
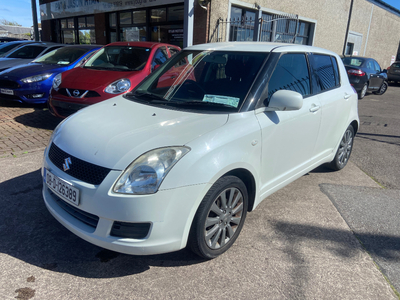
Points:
[393,59]
[70,8]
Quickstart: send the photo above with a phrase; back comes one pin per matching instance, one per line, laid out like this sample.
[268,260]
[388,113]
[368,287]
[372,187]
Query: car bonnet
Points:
[89,79]
[113,133]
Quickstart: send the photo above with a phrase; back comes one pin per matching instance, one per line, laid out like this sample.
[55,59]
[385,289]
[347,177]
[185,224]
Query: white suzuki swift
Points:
[202,141]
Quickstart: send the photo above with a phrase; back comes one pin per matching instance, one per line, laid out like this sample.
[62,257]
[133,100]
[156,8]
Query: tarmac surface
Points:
[328,235]
[295,245]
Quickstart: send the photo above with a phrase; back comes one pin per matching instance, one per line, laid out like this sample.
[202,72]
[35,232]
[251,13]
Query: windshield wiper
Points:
[148,96]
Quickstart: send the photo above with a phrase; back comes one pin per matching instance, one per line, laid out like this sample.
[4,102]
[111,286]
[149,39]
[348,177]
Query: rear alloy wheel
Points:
[382,89]
[363,92]
[344,151]
[219,218]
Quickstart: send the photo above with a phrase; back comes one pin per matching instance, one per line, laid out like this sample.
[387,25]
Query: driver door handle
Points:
[314,108]
[346,96]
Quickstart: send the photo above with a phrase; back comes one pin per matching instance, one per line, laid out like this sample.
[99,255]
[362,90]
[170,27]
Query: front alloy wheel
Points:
[344,151]
[219,218]
[382,89]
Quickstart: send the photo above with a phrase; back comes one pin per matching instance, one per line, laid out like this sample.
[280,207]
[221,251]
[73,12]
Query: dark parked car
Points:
[26,54]
[394,72]
[8,47]
[365,75]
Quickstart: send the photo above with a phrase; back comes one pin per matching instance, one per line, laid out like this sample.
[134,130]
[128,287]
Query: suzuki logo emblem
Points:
[67,163]
[75,93]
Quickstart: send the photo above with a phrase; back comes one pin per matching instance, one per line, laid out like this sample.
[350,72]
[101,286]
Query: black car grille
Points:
[85,217]
[65,108]
[8,84]
[130,230]
[89,94]
[79,169]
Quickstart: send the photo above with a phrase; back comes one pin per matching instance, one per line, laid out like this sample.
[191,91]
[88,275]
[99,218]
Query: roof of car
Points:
[85,46]
[259,47]
[139,44]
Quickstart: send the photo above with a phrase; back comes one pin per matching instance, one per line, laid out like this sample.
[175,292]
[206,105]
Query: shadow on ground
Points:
[40,118]
[29,233]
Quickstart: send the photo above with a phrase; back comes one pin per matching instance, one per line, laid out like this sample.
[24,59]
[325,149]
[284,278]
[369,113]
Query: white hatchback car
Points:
[202,141]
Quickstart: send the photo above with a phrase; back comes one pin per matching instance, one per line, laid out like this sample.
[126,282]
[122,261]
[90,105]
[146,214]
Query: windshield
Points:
[203,80]
[62,56]
[119,58]
[352,61]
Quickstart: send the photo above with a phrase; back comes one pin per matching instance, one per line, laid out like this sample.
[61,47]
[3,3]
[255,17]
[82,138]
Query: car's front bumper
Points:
[28,93]
[168,213]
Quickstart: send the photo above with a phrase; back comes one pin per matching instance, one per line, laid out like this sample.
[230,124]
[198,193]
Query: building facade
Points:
[372,27]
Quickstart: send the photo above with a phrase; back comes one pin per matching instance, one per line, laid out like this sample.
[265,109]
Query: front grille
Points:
[79,169]
[8,84]
[130,230]
[66,109]
[85,217]
[89,94]
[92,94]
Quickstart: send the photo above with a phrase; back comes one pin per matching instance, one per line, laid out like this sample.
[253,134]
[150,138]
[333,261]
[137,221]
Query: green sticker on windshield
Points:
[232,101]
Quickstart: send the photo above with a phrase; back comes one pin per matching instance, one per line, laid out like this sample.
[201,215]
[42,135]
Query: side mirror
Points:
[284,100]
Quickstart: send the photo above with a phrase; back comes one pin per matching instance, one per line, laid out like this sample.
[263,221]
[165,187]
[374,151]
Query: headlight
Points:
[146,173]
[57,81]
[118,86]
[36,78]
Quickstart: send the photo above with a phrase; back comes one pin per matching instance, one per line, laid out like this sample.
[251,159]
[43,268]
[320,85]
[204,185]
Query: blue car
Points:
[31,83]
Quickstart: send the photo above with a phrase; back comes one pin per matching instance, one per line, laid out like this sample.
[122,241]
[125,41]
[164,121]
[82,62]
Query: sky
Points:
[20,11]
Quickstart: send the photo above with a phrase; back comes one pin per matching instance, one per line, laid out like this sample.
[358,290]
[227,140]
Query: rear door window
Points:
[27,52]
[323,73]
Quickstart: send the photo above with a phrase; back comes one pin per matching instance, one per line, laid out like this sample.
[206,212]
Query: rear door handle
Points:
[347,96]
[314,108]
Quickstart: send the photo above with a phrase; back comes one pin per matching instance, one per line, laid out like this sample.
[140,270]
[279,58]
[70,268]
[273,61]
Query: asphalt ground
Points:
[295,245]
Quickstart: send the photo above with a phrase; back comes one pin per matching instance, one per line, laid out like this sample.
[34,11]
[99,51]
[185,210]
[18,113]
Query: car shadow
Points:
[31,234]
[40,118]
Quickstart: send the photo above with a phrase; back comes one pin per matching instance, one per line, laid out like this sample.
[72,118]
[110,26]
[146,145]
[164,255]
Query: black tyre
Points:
[363,92]
[344,151]
[382,89]
[219,218]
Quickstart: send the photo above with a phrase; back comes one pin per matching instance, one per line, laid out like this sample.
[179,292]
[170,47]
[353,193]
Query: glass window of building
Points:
[161,24]
[83,34]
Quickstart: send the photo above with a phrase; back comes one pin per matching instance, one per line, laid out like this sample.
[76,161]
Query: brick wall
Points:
[201,24]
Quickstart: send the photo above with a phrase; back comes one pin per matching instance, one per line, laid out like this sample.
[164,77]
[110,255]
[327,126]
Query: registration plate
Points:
[7,91]
[397,71]
[62,188]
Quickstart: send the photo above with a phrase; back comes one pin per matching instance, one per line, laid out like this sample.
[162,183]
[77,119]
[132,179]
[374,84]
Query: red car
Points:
[113,70]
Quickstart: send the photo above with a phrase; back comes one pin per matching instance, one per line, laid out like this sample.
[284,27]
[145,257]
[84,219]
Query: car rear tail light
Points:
[355,72]
[388,68]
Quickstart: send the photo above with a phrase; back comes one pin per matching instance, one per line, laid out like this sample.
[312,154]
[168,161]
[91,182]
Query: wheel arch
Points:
[355,126]
[248,179]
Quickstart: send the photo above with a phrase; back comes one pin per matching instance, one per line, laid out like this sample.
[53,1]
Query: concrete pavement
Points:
[295,245]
